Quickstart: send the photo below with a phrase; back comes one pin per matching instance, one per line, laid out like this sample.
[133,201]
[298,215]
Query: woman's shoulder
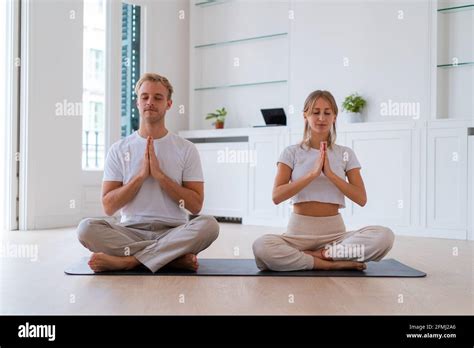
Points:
[342,148]
[299,148]
[295,149]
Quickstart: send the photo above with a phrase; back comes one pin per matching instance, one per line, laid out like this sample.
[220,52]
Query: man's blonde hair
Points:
[155,78]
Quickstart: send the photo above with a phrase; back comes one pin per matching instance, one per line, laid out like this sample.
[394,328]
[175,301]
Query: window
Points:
[97,110]
[130,67]
[97,64]
[93,98]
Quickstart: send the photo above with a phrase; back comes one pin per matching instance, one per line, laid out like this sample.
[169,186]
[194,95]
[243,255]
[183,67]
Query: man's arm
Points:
[191,193]
[115,195]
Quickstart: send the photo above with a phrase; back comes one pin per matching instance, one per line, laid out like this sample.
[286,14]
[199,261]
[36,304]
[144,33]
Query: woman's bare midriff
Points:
[317,209]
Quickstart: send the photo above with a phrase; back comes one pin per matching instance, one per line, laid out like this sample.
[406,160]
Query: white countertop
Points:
[341,127]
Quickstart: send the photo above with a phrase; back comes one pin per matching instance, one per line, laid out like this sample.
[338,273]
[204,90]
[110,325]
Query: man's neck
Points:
[155,131]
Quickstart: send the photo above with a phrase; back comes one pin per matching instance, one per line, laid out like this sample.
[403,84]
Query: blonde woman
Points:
[313,174]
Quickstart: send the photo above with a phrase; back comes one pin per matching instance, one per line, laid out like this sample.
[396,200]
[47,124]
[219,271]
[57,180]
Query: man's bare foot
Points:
[337,265]
[188,261]
[100,262]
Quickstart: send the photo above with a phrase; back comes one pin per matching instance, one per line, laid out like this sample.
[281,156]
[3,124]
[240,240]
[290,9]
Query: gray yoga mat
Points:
[247,267]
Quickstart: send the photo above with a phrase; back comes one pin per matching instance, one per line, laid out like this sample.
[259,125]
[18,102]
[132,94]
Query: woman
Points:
[313,174]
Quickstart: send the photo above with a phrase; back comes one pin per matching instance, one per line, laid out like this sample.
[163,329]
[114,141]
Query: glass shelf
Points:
[456,8]
[210,2]
[240,40]
[454,65]
[240,85]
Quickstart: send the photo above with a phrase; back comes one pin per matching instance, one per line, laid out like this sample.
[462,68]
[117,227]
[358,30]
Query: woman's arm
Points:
[354,189]
[283,189]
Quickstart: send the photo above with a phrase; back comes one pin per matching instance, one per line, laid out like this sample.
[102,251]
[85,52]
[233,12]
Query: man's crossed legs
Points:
[152,244]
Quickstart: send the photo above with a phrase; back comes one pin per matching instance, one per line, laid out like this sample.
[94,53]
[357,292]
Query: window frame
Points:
[132,54]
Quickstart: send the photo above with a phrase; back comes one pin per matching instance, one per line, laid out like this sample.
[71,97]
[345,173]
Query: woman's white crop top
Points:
[302,159]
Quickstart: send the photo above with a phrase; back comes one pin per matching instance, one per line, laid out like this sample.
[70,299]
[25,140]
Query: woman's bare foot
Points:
[337,265]
[100,262]
[321,253]
[188,261]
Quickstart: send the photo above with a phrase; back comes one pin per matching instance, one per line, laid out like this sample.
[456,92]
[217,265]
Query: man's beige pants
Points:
[154,244]
[285,252]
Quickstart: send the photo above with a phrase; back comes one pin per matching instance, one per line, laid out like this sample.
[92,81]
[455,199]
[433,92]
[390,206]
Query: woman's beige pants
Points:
[285,252]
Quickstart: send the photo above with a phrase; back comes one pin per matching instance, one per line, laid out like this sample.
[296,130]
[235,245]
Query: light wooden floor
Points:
[41,287]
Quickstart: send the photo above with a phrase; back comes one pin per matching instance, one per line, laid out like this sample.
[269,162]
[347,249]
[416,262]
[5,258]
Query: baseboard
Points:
[413,231]
[55,221]
[59,221]
[459,234]
[274,222]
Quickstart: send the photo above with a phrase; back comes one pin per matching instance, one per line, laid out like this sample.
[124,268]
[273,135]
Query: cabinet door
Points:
[262,210]
[225,168]
[385,158]
[447,178]
[470,205]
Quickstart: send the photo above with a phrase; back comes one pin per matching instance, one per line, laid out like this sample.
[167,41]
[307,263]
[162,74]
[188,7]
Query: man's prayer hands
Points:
[150,163]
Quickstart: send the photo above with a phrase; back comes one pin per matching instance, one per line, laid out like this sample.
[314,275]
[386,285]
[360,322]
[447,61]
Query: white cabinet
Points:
[225,169]
[262,210]
[447,178]
[385,158]
[418,181]
[239,168]
[470,205]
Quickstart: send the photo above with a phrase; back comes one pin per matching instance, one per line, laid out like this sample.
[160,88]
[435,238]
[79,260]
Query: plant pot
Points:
[219,124]
[353,117]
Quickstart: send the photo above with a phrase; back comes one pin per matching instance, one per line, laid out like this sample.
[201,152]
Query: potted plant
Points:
[353,105]
[219,116]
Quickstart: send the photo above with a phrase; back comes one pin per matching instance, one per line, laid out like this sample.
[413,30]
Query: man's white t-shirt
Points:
[179,160]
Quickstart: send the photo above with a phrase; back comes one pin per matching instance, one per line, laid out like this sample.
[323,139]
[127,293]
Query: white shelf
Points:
[232,132]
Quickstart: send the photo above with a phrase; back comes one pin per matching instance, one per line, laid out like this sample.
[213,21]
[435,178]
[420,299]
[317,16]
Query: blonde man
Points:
[152,176]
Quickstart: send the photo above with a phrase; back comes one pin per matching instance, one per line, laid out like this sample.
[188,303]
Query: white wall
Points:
[379,49]
[244,62]
[166,49]
[385,51]
[455,44]
[387,58]
[51,73]
[57,192]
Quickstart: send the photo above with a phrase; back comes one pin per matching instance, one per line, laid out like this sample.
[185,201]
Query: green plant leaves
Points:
[219,115]
[353,103]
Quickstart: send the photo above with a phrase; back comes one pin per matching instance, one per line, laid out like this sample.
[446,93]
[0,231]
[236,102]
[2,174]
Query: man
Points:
[153,176]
